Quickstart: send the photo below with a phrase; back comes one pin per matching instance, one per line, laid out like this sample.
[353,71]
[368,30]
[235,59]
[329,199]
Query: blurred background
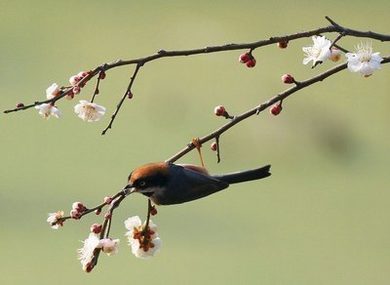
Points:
[323,216]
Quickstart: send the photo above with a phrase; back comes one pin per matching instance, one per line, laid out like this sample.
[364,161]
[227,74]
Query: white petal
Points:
[77,108]
[55,112]
[86,252]
[133,222]
[376,57]
[354,66]
[306,60]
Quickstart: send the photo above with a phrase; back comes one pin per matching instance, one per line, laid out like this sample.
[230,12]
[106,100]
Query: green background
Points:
[323,216]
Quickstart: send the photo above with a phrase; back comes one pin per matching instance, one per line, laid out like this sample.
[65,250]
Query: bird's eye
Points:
[142,183]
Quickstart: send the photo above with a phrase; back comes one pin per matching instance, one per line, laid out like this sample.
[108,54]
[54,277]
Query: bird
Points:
[166,183]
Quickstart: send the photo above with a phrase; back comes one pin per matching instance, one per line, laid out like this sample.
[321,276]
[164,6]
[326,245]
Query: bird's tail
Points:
[247,175]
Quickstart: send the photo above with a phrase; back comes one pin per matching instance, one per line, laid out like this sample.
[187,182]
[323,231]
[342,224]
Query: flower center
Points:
[365,52]
[90,111]
[365,57]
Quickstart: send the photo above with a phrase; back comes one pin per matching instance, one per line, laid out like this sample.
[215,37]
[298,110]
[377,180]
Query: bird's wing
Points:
[190,185]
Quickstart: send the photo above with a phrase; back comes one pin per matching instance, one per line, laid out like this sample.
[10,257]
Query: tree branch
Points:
[139,62]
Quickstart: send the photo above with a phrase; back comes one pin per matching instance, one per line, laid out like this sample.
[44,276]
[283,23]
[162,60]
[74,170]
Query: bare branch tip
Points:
[331,21]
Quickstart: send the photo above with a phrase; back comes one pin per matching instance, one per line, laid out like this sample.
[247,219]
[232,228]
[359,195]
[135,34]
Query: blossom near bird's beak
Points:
[128,189]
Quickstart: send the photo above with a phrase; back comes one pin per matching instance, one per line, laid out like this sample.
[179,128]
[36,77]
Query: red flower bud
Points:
[244,57]
[19,105]
[288,79]
[251,63]
[153,211]
[283,44]
[129,94]
[276,109]
[88,268]
[102,75]
[220,110]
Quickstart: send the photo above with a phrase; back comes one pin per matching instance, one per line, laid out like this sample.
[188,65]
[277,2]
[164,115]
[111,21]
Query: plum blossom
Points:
[88,111]
[318,52]
[364,60]
[52,91]
[46,110]
[144,243]
[109,246]
[54,219]
[86,253]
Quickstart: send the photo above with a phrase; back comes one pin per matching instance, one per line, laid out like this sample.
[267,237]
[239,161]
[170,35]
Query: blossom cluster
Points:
[87,111]
[142,237]
[86,254]
[363,60]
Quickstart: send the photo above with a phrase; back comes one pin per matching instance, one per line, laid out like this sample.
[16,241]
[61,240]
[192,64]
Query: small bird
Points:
[167,183]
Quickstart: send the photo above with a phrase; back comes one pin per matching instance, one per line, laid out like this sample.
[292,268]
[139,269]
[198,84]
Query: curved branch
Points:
[258,109]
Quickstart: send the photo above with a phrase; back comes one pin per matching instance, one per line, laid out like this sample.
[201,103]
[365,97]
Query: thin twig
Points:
[96,91]
[118,107]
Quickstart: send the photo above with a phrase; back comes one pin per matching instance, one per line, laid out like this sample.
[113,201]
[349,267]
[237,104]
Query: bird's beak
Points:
[129,189]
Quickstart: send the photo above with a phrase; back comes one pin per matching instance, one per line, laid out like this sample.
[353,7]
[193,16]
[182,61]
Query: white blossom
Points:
[364,60]
[89,112]
[54,218]
[52,91]
[85,254]
[47,110]
[109,246]
[318,52]
[144,243]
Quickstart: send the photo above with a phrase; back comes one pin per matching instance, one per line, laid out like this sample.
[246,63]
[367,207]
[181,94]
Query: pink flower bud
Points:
[98,211]
[96,228]
[76,90]
[82,74]
[74,214]
[213,146]
[19,105]
[288,79]
[74,80]
[78,206]
[220,111]
[276,109]
[107,200]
